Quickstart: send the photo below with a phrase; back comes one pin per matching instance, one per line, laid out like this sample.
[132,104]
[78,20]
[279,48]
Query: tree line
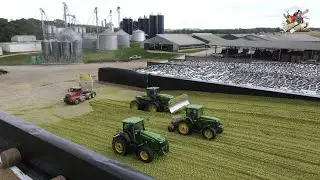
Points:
[33,27]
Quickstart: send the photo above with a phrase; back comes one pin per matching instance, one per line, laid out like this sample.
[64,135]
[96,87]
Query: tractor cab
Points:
[75,89]
[133,126]
[152,92]
[194,111]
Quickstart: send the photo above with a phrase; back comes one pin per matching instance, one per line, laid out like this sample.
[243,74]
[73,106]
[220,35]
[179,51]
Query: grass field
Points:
[264,138]
[18,59]
[124,54]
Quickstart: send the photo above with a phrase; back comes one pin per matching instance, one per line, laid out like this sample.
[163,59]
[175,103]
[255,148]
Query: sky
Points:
[178,14]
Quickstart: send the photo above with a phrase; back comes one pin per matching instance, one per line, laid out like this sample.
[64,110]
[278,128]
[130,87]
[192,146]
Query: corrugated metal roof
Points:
[180,39]
[280,44]
[283,37]
[208,37]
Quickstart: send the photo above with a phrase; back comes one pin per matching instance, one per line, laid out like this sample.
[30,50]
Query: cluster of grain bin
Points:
[89,42]
[67,48]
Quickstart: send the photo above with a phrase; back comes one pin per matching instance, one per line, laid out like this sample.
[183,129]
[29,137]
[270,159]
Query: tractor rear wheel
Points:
[145,154]
[120,145]
[209,133]
[153,107]
[134,105]
[184,127]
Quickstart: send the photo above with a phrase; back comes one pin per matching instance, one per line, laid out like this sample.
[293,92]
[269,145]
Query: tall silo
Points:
[125,24]
[152,26]
[77,49]
[48,31]
[54,30]
[45,50]
[107,41]
[146,28]
[56,50]
[138,36]
[135,25]
[140,23]
[160,24]
[130,26]
[66,48]
[123,39]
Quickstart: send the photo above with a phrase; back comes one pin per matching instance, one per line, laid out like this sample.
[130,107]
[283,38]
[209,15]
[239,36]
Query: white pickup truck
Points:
[134,57]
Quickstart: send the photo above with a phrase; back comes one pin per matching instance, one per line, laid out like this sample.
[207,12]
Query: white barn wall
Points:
[23,47]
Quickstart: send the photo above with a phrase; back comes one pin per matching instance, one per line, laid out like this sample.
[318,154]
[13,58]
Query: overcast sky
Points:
[214,14]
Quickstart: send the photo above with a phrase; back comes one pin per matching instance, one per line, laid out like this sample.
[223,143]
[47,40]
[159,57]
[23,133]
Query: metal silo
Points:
[48,29]
[153,26]
[138,36]
[45,49]
[66,48]
[125,25]
[89,42]
[107,40]
[56,50]
[140,24]
[135,25]
[54,30]
[77,48]
[123,39]
[130,26]
[160,24]
[68,34]
[146,28]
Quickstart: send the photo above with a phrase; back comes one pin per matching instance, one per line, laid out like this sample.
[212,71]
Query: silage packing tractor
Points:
[154,101]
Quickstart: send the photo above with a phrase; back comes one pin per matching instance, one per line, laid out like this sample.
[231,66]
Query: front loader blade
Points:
[178,102]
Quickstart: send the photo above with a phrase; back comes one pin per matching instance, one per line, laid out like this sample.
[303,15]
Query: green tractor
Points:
[135,137]
[154,101]
[196,121]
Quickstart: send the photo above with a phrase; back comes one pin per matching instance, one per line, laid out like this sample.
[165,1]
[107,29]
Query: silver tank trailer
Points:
[107,41]
[123,39]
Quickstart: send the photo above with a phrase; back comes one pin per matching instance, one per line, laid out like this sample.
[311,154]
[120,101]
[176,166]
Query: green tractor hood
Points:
[151,135]
[210,118]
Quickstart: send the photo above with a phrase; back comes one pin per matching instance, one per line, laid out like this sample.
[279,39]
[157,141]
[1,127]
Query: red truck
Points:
[77,94]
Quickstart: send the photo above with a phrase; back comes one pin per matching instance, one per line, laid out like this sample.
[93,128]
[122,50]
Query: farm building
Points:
[207,37]
[172,42]
[23,38]
[21,46]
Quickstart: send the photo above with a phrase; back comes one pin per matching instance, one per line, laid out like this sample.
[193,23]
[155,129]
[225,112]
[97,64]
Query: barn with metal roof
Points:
[172,42]
[207,37]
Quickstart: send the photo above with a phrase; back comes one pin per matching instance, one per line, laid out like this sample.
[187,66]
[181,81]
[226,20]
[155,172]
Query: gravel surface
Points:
[36,92]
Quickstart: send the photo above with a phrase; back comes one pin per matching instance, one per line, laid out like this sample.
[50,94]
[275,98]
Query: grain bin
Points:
[54,29]
[138,36]
[107,40]
[89,42]
[76,48]
[66,48]
[123,39]
[68,34]
[46,49]
[56,50]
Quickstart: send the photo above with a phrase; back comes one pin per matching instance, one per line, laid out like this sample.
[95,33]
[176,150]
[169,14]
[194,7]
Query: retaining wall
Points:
[52,155]
[133,78]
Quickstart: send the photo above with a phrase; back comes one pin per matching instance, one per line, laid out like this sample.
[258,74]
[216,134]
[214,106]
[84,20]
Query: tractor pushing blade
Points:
[178,102]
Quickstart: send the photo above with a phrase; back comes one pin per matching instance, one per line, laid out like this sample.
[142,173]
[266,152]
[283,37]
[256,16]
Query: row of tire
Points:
[9,160]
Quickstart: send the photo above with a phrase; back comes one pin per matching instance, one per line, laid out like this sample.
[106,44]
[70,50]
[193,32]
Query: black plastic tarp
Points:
[123,76]
[54,155]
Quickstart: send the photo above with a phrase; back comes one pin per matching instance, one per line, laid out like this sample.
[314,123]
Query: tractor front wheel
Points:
[120,145]
[145,154]
[77,101]
[153,107]
[171,128]
[209,133]
[184,127]
[134,105]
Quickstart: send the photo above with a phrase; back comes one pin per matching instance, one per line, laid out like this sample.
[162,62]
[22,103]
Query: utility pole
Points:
[42,22]
[118,9]
[65,7]
[105,23]
[97,20]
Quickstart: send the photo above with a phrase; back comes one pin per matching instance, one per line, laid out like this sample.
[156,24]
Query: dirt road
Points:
[35,93]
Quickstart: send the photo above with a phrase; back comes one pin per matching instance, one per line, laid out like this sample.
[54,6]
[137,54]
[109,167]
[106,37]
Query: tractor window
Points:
[139,126]
[126,126]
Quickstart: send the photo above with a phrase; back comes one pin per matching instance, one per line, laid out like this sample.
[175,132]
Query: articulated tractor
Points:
[154,101]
